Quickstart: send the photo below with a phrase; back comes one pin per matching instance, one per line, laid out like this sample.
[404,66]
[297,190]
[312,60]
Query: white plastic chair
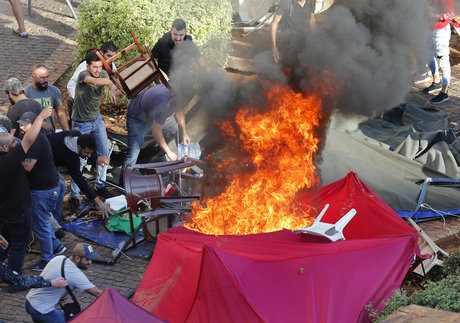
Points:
[333,232]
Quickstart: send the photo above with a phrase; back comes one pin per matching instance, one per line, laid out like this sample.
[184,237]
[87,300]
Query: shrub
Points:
[442,294]
[207,20]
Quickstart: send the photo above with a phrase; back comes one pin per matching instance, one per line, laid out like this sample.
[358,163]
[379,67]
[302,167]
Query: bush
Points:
[207,21]
[442,293]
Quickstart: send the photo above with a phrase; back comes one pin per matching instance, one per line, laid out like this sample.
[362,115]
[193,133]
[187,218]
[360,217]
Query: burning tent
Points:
[280,276]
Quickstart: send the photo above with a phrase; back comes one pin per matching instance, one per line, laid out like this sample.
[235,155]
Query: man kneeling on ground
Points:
[41,302]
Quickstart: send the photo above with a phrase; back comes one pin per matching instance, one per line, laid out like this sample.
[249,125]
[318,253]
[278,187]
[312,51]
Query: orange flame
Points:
[281,143]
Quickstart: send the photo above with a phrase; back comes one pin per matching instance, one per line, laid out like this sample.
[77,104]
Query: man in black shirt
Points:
[294,18]
[44,192]
[20,104]
[165,46]
[68,147]
[15,194]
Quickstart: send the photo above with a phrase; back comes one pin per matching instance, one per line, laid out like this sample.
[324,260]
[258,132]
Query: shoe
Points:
[440,98]
[23,34]
[432,87]
[74,205]
[59,233]
[39,266]
[59,251]
[102,192]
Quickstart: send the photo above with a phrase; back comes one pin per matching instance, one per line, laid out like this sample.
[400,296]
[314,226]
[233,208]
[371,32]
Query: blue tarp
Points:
[95,230]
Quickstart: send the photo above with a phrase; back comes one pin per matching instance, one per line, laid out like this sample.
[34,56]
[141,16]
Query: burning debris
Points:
[278,145]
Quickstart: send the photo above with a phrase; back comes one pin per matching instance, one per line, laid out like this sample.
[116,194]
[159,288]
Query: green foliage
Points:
[207,21]
[442,293]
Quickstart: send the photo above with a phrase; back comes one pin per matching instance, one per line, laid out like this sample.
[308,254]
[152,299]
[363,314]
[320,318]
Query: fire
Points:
[280,142]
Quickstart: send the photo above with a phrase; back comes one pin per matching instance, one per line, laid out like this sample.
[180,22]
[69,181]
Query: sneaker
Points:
[433,87]
[74,205]
[59,251]
[39,266]
[59,233]
[440,98]
[102,192]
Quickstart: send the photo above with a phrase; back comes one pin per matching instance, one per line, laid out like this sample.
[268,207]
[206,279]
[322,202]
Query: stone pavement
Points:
[51,41]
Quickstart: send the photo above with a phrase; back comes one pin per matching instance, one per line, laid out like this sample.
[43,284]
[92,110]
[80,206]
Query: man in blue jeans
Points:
[150,109]
[87,119]
[45,191]
[15,193]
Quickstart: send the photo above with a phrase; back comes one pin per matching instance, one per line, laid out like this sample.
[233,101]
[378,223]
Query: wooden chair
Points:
[136,74]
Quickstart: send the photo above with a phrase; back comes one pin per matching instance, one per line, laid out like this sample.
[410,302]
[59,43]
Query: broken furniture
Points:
[138,73]
[145,195]
[427,246]
[333,232]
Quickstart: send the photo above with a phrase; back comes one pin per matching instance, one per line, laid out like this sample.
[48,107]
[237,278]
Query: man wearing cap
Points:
[20,104]
[47,94]
[45,191]
[41,302]
[15,193]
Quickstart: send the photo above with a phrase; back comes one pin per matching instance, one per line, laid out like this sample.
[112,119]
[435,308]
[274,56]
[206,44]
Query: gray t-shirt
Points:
[49,97]
[295,18]
[87,98]
[45,299]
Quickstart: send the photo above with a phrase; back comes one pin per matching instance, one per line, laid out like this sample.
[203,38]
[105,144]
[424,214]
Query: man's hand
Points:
[105,209]
[114,93]
[186,139]
[59,282]
[171,155]
[101,160]
[46,113]
[47,126]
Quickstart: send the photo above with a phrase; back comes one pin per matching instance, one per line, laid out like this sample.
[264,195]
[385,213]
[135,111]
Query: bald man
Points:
[41,302]
[47,95]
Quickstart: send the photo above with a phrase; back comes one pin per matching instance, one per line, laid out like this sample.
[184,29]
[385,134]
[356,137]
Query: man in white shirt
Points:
[41,302]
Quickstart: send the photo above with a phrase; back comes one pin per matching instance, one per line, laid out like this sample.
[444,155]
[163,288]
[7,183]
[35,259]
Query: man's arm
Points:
[94,291]
[98,81]
[31,135]
[62,117]
[180,118]
[29,164]
[274,31]
[157,132]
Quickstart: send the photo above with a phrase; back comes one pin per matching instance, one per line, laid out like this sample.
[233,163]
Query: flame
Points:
[280,142]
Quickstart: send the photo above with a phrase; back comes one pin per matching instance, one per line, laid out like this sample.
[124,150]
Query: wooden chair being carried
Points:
[136,74]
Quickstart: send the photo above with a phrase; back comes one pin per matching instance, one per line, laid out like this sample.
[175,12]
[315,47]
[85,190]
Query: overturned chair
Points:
[331,231]
[138,73]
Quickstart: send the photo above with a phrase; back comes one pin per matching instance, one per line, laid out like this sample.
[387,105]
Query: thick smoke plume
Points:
[372,48]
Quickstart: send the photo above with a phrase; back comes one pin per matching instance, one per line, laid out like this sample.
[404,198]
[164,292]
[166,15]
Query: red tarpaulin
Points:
[113,307]
[280,276]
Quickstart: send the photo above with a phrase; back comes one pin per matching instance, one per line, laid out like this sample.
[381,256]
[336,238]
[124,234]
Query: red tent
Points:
[113,307]
[280,276]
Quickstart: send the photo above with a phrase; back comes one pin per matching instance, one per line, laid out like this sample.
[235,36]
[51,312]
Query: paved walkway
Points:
[51,41]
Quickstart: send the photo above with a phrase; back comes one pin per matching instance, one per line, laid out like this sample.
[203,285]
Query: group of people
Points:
[31,150]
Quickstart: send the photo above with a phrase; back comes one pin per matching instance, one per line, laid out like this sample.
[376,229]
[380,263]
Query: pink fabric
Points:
[280,276]
[113,307]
